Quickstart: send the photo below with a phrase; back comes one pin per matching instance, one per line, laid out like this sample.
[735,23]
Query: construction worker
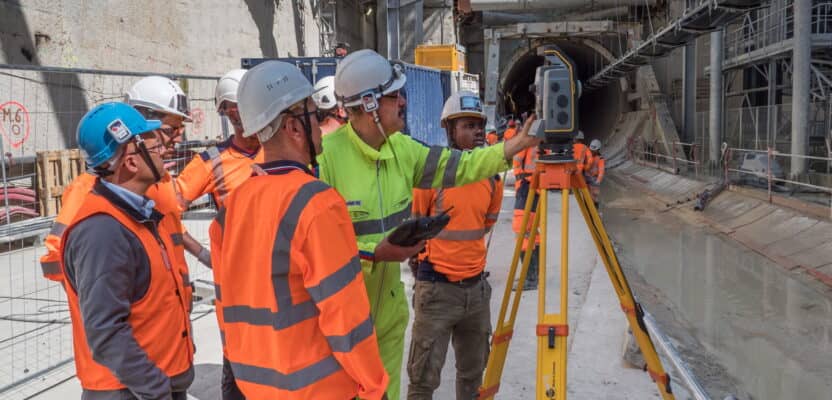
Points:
[325,100]
[524,165]
[375,168]
[295,315]
[218,171]
[155,97]
[594,172]
[341,49]
[222,168]
[579,151]
[511,130]
[491,136]
[451,296]
[130,326]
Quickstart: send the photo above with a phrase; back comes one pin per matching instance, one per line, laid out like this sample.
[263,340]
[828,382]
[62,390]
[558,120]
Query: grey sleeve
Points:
[109,265]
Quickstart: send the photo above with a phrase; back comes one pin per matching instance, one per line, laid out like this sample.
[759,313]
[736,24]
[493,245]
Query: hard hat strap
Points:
[307,129]
[147,159]
[377,120]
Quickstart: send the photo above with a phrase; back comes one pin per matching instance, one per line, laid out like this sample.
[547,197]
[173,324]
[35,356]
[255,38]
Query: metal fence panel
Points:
[39,111]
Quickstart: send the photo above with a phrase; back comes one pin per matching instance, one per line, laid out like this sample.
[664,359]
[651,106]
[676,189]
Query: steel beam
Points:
[801,83]
[715,103]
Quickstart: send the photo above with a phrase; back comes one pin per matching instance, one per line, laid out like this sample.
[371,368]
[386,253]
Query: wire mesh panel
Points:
[39,113]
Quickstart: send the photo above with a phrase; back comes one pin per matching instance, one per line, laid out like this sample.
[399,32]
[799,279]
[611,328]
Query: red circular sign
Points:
[14,123]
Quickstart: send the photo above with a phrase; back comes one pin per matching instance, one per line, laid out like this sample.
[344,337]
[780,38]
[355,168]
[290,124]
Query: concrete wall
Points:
[40,110]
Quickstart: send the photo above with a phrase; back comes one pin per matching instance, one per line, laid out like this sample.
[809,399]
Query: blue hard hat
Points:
[106,127]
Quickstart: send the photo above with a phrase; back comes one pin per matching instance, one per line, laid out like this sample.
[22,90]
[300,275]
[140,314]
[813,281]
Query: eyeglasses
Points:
[159,148]
[320,115]
[393,95]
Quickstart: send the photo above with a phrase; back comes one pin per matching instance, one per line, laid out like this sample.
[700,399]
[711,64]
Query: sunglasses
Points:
[320,115]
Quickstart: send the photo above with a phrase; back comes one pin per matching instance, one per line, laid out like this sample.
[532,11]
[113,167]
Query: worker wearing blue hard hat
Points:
[131,331]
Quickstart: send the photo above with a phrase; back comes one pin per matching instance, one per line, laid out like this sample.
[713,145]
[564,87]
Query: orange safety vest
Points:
[523,165]
[509,133]
[295,318]
[580,153]
[218,171]
[71,201]
[595,167]
[159,320]
[165,200]
[162,194]
[491,138]
[459,250]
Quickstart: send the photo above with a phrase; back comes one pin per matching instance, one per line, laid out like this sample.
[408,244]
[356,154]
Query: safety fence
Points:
[684,158]
[39,111]
[764,169]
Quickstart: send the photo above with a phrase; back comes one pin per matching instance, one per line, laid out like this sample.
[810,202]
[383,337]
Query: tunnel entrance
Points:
[598,111]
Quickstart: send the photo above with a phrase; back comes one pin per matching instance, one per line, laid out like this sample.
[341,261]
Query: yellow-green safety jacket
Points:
[378,189]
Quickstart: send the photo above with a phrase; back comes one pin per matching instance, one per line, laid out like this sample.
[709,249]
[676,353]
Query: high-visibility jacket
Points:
[162,194]
[71,200]
[459,250]
[595,167]
[378,189]
[491,138]
[159,320]
[523,165]
[509,133]
[330,125]
[581,153]
[217,171]
[295,314]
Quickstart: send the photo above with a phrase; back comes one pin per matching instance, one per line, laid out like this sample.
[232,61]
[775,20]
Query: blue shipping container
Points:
[314,68]
[425,98]
[426,90]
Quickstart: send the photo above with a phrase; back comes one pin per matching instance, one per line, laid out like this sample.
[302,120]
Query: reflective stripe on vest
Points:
[373,226]
[431,165]
[217,173]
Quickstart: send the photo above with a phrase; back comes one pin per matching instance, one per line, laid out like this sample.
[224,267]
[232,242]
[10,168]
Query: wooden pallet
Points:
[55,170]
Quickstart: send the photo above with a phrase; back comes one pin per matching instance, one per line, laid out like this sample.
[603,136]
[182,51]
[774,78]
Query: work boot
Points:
[531,275]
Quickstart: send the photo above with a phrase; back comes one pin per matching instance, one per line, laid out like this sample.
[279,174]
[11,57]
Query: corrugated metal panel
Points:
[426,90]
[314,68]
[425,98]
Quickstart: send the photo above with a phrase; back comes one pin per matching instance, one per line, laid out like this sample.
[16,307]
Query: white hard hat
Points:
[580,135]
[159,94]
[595,145]
[462,104]
[227,87]
[366,72]
[324,95]
[267,90]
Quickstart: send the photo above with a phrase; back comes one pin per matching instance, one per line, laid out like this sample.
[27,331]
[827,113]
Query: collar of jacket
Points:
[385,153]
[280,167]
[123,205]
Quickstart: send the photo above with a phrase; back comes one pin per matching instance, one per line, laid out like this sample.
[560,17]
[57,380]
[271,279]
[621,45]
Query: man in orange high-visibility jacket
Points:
[511,130]
[130,327]
[524,165]
[451,296]
[222,168]
[155,98]
[579,151]
[294,311]
[594,172]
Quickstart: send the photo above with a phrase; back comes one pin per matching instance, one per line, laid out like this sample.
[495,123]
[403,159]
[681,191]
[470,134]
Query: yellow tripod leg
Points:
[622,289]
[552,329]
[505,328]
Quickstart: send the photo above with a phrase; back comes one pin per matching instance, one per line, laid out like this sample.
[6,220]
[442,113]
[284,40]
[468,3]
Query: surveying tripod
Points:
[553,174]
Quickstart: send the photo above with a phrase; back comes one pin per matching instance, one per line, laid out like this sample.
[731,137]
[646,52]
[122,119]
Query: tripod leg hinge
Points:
[504,337]
[663,379]
[559,329]
[488,392]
